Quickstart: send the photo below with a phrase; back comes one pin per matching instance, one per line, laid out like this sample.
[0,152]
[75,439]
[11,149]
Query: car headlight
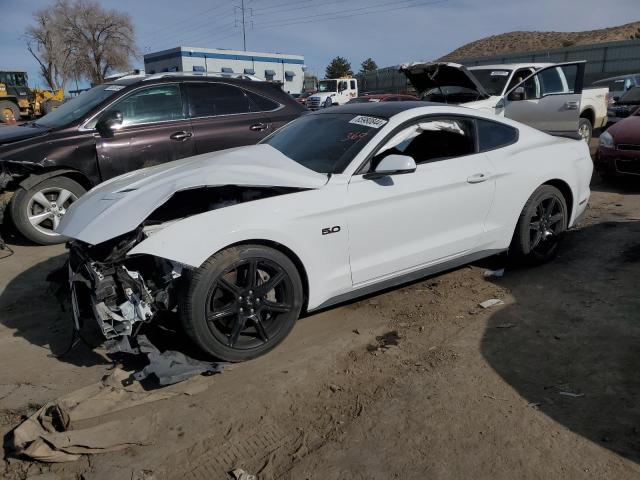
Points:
[606,140]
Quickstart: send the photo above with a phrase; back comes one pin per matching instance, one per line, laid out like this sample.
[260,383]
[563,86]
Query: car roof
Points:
[380,109]
[509,66]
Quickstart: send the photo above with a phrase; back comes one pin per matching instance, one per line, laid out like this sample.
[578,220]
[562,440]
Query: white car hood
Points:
[121,204]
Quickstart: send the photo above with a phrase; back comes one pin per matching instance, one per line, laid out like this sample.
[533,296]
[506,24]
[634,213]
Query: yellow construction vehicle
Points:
[18,101]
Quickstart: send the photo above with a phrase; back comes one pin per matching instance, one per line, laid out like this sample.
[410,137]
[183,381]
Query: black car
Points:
[125,125]
[626,105]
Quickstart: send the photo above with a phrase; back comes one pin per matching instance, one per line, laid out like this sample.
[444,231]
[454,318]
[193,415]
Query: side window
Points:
[551,81]
[154,104]
[209,99]
[518,77]
[353,84]
[260,103]
[492,135]
[433,139]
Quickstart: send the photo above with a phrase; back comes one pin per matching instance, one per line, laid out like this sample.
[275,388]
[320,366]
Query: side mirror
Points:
[392,165]
[516,95]
[108,123]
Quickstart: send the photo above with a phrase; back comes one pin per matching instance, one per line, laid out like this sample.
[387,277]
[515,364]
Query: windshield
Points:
[632,96]
[328,86]
[493,80]
[325,143]
[615,85]
[78,107]
[14,79]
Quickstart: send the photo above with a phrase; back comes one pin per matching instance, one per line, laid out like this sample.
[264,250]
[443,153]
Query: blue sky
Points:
[400,31]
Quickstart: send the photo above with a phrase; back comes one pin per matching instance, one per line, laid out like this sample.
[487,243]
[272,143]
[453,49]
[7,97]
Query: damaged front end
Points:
[120,293]
[123,291]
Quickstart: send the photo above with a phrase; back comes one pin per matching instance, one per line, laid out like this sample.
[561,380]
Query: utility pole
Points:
[243,10]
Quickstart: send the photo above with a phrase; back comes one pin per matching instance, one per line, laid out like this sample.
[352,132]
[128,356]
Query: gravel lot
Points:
[417,382]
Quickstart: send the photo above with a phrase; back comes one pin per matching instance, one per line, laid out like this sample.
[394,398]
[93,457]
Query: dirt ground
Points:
[413,383]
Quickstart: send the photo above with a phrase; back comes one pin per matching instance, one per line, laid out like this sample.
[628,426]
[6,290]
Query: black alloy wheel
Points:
[252,296]
[540,227]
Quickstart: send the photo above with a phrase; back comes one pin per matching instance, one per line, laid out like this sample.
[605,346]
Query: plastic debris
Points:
[492,302]
[240,474]
[572,395]
[494,273]
[506,325]
[172,367]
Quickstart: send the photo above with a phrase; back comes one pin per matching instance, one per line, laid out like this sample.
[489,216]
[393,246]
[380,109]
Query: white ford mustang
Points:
[337,204]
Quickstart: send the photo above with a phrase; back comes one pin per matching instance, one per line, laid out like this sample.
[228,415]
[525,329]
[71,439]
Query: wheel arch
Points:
[289,253]
[34,179]
[589,114]
[565,189]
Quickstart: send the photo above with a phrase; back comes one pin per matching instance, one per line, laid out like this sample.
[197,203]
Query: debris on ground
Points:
[571,394]
[505,325]
[240,474]
[492,302]
[171,366]
[55,433]
[499,273]
[384,342]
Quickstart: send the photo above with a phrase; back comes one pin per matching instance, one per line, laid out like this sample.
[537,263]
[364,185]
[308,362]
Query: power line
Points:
[345,14]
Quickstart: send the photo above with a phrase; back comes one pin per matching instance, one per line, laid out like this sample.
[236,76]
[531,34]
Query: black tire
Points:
[24,205]
[8,105]
[220,291]
[49,106]
[554,218]
[585,129]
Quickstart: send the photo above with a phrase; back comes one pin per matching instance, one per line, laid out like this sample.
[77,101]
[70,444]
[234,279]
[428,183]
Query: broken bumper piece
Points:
[118,292]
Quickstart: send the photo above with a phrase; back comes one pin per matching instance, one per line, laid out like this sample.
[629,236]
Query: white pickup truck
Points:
[547,96]
[333,91]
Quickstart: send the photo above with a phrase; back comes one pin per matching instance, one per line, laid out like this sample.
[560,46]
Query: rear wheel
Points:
[541,224]
[242,302]
[36,212]
[8,111]
[585,129]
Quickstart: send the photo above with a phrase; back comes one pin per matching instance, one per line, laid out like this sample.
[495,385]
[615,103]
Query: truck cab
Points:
[333,91]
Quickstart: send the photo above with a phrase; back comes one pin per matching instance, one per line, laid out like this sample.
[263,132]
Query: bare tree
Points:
[101,40]
[46,44]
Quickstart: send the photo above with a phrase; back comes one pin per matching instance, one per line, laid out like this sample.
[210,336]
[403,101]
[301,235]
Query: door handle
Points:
[478,178]
[258,127]
[571,105]
[181,136]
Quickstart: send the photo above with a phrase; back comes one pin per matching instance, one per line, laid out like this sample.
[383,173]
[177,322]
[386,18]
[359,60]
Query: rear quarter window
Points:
[492,135]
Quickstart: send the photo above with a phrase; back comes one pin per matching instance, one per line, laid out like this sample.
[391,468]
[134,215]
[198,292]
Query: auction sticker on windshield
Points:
[371,122]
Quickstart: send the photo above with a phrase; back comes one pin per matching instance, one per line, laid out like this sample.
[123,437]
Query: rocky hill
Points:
[530,41]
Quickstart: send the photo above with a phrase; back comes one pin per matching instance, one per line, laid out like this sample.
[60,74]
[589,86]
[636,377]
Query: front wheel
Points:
[540,226]
[36,212]
[242,302]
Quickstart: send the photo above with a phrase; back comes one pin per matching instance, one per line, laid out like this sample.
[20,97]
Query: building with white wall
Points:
[280,67]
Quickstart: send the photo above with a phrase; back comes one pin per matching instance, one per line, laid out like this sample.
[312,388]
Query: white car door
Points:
[548,100]
[403,222]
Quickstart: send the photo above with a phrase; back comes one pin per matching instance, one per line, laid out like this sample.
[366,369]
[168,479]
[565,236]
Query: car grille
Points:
[628,166]
[628,147]
[314,103]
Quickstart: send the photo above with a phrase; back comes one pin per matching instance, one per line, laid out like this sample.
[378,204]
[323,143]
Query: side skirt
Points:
[407,278]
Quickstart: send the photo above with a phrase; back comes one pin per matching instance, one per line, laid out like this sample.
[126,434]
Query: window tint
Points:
[551,81]
[493,135]
[154,104]
[353,84]
[433,139]
[209,99]
[260,103]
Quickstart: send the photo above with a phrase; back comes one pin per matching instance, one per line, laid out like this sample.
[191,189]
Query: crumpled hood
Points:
[121,204]
[427,75]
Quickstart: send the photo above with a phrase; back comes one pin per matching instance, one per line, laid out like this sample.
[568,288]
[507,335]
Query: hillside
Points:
[528,41]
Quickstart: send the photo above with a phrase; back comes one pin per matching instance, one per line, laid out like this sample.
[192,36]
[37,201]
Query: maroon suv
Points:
[619,150]
[122,126]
